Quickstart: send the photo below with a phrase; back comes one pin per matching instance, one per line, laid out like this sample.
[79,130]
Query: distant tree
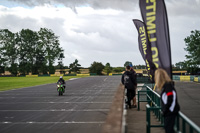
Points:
[28,45]
[107,69]
[8,50]
[193,49]
[74,67]
[118,69]
[127,63]
[29,51]
[181,65]
[2,69]
[60,63]
[96,67]
[50,43]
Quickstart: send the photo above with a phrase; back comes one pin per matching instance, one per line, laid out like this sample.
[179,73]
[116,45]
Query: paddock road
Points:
[189,99]
[82,109]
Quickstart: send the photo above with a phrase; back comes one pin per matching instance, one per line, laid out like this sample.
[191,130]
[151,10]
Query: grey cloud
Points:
[101,4]
[15,23]
[183,8]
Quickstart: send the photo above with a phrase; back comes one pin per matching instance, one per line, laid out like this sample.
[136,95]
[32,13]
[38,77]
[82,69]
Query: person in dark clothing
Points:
[169,102]
[135,87]
[62,81]
[129,82]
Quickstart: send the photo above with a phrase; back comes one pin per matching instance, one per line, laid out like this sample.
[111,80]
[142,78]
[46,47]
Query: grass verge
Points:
[8,83]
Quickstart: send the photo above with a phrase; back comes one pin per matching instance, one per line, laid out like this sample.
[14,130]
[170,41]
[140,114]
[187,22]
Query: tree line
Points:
[29,51]
[192,62]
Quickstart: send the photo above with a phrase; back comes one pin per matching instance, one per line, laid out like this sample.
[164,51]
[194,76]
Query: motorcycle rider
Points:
[62,81]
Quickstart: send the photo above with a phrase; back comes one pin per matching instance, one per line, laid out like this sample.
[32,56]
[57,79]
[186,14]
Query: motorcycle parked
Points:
[60,88]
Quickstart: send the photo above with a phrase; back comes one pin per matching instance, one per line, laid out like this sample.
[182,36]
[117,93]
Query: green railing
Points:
[185,125]
[182,125]
[148,117]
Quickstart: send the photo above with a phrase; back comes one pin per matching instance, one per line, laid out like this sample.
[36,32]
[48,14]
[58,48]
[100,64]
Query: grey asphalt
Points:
[82,109]
[189,99]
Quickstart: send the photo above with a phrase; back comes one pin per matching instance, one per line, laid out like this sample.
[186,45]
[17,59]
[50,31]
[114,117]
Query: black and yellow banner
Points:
[145,47]
[155,18]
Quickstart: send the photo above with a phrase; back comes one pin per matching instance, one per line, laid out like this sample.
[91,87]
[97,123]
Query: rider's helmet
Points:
[60,77]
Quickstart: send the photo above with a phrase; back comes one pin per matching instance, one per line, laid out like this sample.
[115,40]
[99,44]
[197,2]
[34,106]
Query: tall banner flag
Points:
[145,47]
[155,17]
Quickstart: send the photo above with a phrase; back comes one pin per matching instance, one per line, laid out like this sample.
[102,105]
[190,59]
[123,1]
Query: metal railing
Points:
[182,125]
[186,126]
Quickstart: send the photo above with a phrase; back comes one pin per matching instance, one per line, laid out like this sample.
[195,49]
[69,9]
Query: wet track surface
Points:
[82,109]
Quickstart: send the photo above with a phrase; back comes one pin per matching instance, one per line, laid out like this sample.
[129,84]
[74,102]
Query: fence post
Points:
[183,126]
[148,119]
[138,106]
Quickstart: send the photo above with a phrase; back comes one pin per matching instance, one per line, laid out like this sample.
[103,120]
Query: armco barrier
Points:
[143,79]
[82,74]
[153,100]
[31,76]
[45,75]
[176,77]
[56,75]
[93,74]
[196,79]
[70,75]
[184,78]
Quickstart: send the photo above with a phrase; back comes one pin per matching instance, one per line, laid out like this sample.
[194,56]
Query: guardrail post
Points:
[183,126]
[177,123]
[148,119]
[138,105]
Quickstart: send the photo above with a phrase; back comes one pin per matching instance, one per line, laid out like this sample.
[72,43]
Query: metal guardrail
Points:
[182,125]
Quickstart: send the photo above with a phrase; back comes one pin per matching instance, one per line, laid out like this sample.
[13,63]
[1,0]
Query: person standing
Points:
[169,101]
[135,86]
[129,82]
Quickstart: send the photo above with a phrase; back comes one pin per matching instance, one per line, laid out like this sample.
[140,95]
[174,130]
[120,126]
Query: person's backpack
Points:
[128,82]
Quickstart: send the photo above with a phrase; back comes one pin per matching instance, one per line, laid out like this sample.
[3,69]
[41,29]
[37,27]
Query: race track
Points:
[82,109]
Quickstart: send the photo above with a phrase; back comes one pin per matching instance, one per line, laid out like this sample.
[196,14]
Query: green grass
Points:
[8,83]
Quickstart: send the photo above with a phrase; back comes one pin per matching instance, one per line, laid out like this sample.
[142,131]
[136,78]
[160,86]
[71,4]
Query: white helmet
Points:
[60,77]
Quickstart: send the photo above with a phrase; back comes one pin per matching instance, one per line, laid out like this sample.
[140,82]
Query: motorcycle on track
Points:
[60,88]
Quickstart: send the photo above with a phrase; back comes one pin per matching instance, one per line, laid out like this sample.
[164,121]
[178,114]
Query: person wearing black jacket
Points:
[135,79]
[129,82]
[169,102]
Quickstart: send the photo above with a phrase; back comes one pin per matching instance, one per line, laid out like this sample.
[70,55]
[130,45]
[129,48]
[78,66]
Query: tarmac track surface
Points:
[82,109]
[189,99]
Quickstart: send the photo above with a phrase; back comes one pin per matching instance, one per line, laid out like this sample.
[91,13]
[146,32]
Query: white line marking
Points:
[96,92]
[73,78]
[97,96]
[65,122]
[57,102]
[57,110]
[105,79]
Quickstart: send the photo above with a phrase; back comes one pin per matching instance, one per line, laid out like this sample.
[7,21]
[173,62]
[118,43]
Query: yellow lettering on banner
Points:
[150,13]
[153,39]
[147,1]
[141,29]
[155,56]
[153,6]
[143,38]
[150,24]
[148,68]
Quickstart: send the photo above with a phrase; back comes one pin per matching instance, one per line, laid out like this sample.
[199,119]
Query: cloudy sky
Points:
[98,30]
